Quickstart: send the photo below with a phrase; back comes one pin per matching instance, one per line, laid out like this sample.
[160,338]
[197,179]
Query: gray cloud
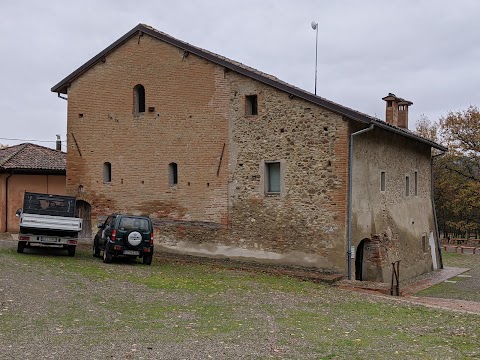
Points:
[424,51]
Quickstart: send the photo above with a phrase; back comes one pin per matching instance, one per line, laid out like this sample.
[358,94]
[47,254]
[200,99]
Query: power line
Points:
[46,141]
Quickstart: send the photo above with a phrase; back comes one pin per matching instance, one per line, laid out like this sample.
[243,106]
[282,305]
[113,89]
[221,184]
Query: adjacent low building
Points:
[27,167]
[232,162]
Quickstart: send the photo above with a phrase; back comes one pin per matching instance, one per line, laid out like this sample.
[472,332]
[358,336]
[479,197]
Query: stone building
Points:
[232,162]
[28,167]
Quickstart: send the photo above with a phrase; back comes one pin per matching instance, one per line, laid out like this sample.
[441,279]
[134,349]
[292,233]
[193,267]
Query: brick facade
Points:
[196,116]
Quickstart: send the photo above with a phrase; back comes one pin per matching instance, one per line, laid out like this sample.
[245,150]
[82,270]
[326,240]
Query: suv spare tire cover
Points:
[134,238]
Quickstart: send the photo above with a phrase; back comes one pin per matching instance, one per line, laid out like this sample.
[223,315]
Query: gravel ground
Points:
[56,307]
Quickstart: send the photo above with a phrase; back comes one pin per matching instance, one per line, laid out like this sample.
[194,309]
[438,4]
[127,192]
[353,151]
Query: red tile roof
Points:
[32,157]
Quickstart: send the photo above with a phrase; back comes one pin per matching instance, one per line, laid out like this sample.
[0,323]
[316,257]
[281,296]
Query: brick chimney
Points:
[58,143]
[396,112]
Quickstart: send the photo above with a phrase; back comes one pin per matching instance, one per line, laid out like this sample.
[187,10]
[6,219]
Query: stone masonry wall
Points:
[306,222]
[398,220]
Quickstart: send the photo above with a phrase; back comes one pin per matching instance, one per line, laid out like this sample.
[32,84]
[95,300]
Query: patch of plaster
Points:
[214,250]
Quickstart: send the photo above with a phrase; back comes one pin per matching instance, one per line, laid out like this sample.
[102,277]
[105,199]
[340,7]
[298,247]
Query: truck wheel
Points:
[21,246]
[96,250]
[147,259]
[71,250]
[107,257]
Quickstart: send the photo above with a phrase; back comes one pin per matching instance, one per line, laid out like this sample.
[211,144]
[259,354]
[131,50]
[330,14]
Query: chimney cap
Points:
[393,97]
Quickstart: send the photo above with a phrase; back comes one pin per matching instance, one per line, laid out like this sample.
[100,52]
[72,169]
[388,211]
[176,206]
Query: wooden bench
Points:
[473,248]
[462,248]
[446,247]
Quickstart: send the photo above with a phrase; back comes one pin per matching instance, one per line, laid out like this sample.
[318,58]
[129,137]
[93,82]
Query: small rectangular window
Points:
[251,105]
[382,181]
[416,183]
[107,172]
[389,103]
[407,185]
[272,172]
[424,243]
[172,174]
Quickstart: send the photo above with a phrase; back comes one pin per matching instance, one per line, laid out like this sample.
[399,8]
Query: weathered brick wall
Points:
[199,107]
[398,220]
[188,127]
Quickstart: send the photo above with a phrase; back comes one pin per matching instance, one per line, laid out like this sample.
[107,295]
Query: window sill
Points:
[272,194]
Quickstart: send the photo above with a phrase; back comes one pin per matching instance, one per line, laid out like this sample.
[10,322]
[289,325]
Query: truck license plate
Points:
[48,239]
[130,252]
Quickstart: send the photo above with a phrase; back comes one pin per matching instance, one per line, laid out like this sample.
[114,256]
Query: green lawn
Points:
[466,286]
[193,306]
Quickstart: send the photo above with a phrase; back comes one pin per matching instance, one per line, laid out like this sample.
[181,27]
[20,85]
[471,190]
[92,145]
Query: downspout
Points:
[437,234]
[6,201]
[350,186]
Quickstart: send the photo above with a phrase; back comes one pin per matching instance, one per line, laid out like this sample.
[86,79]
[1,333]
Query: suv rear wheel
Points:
[107,257]
[96,250]
[147,259]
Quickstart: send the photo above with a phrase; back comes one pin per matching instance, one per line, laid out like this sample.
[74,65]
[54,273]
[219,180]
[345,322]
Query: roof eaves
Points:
[33,171]
[408,134]
[62,86]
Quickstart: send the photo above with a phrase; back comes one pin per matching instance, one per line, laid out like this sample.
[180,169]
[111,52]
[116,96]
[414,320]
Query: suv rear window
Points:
[130,223]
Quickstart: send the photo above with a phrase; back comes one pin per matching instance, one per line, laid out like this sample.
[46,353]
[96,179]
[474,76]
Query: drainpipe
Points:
[350,186]
[6,202]
[435,212]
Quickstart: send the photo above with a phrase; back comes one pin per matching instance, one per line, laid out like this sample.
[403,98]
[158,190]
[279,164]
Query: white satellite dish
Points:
[314,25]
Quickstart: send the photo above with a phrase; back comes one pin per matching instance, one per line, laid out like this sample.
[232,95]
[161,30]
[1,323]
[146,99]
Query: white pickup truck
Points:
[48,220]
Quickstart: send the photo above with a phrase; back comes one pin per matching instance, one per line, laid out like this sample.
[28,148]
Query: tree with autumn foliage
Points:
[460,132]
[457,173]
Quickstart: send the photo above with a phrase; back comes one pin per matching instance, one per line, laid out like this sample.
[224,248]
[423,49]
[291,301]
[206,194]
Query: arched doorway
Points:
[370,257]
[84,212]
[359,257]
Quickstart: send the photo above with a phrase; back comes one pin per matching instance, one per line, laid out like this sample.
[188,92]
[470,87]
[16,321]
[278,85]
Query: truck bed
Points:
[48,222]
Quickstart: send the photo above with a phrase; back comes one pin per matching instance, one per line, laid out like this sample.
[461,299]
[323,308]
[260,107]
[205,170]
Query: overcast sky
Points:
[425,51]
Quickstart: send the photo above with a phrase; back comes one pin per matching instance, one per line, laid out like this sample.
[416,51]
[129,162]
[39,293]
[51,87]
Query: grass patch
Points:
[185,306]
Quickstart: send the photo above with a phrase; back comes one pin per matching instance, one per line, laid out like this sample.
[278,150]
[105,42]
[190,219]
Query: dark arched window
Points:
[172,174]
[107,172]
[139,97]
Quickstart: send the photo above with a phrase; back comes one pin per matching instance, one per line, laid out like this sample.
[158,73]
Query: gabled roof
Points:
[62,86]
[31,158]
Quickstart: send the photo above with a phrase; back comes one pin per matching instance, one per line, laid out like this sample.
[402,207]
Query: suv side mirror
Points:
[18,213]
[100,225]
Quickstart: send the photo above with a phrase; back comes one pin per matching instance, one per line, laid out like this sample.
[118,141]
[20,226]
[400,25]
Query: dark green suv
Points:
[124,235]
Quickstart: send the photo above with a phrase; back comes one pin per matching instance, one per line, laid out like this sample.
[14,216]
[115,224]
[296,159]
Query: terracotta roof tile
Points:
[29,156]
